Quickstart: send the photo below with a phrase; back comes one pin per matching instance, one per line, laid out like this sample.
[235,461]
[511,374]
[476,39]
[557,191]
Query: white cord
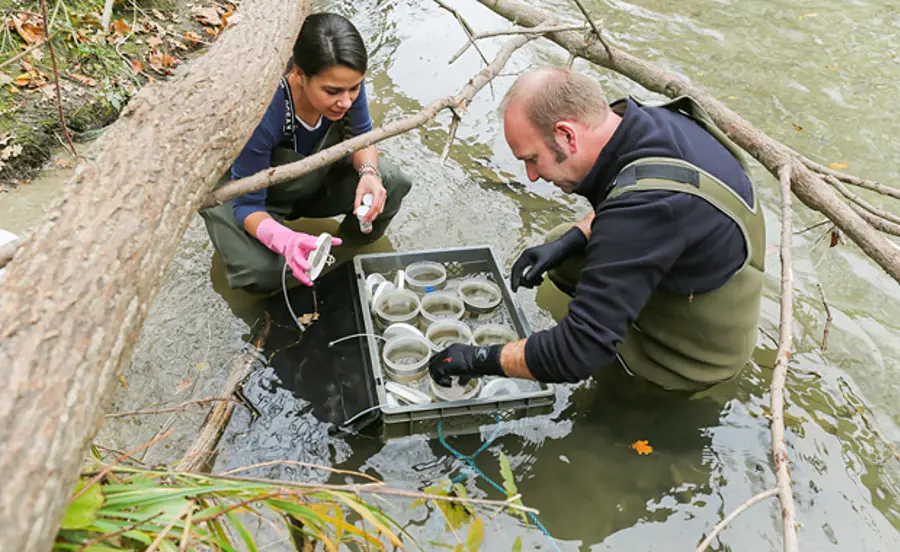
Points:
[287,300]
[346,337]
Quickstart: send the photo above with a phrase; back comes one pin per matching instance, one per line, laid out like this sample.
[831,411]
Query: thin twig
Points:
[587,16]
[828,318]
[186,534]
[850,179]
[111,467]
[730,517]
[302,464]
[108,536]
[515,31]
[857,199]
[162,534]
[878,223]
[26,51]
[779,376]
[470,36]
[178,408]
[59,107]
[275,175]
[450,135]
[813,227]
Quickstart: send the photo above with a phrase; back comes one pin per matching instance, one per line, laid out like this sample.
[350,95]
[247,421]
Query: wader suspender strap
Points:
[289,112]
[630,175]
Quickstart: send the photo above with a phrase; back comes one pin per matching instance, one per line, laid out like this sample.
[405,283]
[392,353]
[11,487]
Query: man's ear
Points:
[566,136]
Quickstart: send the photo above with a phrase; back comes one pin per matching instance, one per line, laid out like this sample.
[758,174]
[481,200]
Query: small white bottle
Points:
[362,211]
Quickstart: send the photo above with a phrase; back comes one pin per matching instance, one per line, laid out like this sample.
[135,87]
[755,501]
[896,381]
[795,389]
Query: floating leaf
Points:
[732,97]
[835,237]
[838,166]
[802,17]
[517,546]
[832,67]
[798,128]
[123,382]
[82,512]
[642,447]
[476,535]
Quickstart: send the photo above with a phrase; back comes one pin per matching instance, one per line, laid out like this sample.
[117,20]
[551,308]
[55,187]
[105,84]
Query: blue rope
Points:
[469,461]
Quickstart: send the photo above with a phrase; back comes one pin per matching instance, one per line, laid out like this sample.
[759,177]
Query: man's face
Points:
[544,156]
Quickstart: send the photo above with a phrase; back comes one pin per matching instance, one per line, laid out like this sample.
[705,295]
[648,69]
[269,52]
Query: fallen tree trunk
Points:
[75,297]
[807,185]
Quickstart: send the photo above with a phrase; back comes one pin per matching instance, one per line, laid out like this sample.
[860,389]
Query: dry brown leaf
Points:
[23,182]
[159,14]
[162,62]
[120,28]
[207,16]
[5,79]
[642,447]
[230,18]
[305,319]
[832,67]
[838,166]
[30,28]
[87,81]
[193,37]
[26,65]
[137,66]
[63,162]
[154,41]
[798,128]
[37,55]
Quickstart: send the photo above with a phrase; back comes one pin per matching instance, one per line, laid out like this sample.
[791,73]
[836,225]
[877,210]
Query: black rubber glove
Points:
[465,361]
[538,260]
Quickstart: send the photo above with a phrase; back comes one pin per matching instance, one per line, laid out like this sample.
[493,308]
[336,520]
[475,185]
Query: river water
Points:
[820,78]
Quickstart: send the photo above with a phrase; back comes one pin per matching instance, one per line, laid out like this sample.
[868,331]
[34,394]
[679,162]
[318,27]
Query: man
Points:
[665,274]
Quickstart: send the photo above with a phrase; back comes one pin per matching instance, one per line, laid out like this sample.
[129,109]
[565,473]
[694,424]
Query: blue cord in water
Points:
[469,460]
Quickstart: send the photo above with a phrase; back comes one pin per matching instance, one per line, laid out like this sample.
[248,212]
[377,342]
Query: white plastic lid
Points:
[399,329]
[362,211]
[367,200]
[498,387]
[318,257]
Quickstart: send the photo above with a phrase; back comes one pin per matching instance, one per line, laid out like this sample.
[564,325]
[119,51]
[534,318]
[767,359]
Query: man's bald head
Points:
[549,95]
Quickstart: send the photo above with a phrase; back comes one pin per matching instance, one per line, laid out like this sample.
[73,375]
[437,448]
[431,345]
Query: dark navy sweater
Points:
[641,241]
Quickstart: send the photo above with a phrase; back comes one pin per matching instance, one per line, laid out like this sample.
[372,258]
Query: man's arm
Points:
[585,224]
[512,360]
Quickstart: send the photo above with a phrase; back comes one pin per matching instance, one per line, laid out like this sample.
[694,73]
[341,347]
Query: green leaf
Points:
[476,536]
[458,548]
[509,482]
[242,531]
[82,512]
[517,546]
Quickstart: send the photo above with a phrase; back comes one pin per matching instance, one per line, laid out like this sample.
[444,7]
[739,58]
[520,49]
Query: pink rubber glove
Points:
[295,247]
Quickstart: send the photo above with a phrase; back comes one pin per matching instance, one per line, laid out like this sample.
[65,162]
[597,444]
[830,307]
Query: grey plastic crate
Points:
[464,416]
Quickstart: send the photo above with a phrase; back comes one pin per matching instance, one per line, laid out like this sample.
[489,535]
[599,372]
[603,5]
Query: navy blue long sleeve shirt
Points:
[273,131]
[641,242]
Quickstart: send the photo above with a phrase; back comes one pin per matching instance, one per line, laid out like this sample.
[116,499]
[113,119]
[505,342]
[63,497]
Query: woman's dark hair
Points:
[327,40]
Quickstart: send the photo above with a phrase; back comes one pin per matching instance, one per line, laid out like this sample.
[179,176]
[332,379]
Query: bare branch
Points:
[876,222]
[806,184]
[514,31]
[857,199]
[779,376]
[177,408]
[828,318]
[850,179]
[587,16]
[275,175]
[730,517]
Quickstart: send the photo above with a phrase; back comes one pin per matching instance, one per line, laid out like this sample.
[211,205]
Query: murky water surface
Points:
[821,78]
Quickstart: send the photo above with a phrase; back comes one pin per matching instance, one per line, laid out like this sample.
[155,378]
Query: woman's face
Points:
[332,91]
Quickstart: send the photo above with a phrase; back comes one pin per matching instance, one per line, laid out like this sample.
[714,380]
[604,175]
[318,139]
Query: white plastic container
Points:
[395,305]
[320,256]
[406,358]
[480,296]
[493,334]
[440,305]
[444,333]
[455,392]
[426,276]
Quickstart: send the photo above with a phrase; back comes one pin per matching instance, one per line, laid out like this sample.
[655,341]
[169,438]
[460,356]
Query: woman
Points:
[320,101]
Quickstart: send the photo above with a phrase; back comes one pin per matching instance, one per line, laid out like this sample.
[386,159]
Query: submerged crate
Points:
[461,416]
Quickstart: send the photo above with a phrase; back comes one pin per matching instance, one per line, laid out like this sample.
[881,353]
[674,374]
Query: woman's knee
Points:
[395,183]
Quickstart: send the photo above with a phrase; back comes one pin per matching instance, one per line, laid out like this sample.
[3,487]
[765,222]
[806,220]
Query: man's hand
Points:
[528,270]
[466,362]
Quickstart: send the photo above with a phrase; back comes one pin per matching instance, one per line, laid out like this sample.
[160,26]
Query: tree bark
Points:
[806,185]
[74,299]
